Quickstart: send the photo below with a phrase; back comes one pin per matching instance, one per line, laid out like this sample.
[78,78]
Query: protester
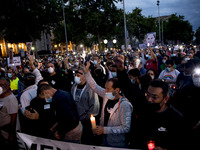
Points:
[14,80]
[161,123]
[87,103]
[116,112]
[127,80]
[187,102]
[8,115]
[68,127]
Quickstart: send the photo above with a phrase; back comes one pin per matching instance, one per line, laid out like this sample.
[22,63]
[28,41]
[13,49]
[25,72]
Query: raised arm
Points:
[91,82]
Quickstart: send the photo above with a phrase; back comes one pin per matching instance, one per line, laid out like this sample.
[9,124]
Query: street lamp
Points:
[125,26]
[114,42]
[105,41]
[158,3]
[65,25]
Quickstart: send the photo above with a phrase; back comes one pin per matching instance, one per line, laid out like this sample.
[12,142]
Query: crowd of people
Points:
[137,97]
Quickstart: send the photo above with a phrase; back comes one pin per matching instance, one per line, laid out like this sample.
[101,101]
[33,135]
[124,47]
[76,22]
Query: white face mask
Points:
[152,77]
[109,95]
[196,81]
[186,59]
[50,70]
[77,80]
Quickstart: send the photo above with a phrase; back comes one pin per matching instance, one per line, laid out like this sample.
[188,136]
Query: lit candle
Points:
[93,122]
[151,145]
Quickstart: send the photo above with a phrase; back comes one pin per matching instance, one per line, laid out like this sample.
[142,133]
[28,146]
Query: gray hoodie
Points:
[119,122]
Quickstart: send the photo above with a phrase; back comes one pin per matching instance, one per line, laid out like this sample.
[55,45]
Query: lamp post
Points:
[65,25]
[125,32]
[158,3]
[162,34]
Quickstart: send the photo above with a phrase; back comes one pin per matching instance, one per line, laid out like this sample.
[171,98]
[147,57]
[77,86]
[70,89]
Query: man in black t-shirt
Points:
[68,126]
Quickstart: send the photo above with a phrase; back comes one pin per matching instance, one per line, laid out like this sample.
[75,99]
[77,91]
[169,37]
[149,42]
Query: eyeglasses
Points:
[153,96]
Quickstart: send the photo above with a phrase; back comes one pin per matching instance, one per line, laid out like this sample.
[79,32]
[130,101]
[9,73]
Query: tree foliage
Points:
[197,36]
[179,29]
[23,20]
[138,25]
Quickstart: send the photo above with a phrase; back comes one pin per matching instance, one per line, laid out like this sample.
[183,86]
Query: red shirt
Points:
[152,64]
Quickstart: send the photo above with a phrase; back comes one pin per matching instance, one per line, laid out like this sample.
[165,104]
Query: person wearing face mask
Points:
[87,103]
[40,116]
[67,127]
[113,71]
[162,65]
[14,81]
[98,71]
[185,77]
[134,75]
[8,115]
[161,123]
[54,79]
[116,112]
[152,61]
[170,74]
[152,73]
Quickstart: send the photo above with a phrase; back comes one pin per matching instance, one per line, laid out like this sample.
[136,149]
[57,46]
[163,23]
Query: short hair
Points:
[5,79]
[43,80]
[134,72]
[161,84]
[29,79]
[166,56]
[42,88]
[115,82]
[189,64]
[170,62]
[145,81]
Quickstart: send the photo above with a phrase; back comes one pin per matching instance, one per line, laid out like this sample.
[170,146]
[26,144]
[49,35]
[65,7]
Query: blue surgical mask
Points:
[76,63]
[49,100]
[133,82]
[168,69]
[9,75]
[114,74]
[109,95]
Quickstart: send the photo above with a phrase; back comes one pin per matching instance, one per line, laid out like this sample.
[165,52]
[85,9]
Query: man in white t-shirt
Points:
[170,74]
[8,110]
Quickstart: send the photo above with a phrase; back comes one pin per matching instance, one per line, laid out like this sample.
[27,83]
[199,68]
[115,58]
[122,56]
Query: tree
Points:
[139,25]
[179,29]
[197,36]
[98,18]
[23,20]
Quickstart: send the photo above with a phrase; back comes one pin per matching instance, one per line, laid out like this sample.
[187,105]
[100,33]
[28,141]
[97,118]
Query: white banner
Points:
[27,142]
[16,61]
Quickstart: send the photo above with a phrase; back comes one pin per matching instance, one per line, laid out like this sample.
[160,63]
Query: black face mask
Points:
[153,106]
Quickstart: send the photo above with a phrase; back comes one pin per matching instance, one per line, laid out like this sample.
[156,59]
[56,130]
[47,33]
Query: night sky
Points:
[188,8]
